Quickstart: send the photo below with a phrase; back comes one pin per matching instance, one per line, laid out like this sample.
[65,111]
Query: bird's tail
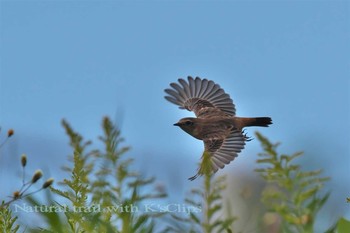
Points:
[253,121]
[261,121]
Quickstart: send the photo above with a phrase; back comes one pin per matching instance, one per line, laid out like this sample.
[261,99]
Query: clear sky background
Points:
[82,60]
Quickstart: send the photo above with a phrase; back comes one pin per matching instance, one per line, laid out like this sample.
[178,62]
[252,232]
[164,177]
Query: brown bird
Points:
[215,122]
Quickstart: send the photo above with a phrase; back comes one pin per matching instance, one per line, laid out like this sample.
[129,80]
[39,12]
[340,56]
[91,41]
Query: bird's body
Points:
[204,128]
[216,123]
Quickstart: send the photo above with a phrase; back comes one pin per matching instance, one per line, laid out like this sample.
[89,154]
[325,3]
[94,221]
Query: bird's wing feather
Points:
[224,151]
[221,151]
[198,94]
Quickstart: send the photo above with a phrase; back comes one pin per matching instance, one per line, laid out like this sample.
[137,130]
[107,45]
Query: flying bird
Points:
[216,123]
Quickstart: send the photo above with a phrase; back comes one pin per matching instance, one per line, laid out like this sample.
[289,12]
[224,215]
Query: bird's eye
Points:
[188,123]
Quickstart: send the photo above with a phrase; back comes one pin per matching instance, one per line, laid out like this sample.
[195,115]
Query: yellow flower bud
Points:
[24,160]
[48,183]
[10,132]
[37,175]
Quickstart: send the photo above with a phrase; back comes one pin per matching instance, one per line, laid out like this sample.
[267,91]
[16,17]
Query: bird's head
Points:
[188,125]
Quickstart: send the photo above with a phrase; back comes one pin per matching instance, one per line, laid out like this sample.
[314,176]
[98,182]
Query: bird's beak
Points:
[176,124]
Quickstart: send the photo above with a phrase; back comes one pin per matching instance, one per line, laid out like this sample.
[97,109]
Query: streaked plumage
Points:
[215,122]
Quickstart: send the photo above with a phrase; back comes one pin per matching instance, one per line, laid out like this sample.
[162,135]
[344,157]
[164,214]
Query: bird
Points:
[216,123]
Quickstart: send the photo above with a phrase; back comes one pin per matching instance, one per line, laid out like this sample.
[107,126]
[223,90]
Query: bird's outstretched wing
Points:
[201,96]
[220,151]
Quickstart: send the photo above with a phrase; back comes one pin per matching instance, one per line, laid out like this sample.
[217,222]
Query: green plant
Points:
[8,220]
[102,194]
[290,192]
[207,209]
[343,225]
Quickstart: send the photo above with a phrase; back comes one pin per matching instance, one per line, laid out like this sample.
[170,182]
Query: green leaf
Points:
[307,194]
[194,218]
[140,221]
[260,170]
[295,155]
[316,204]
[213,209]
[270,161]
[343,226]
[309,173]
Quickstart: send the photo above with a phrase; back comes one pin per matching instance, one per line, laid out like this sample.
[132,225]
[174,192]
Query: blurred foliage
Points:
[7,220]
[207,213]
[103,194]
[343,226]
[294,194]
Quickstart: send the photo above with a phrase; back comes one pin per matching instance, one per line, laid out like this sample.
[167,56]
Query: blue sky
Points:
[82,60]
